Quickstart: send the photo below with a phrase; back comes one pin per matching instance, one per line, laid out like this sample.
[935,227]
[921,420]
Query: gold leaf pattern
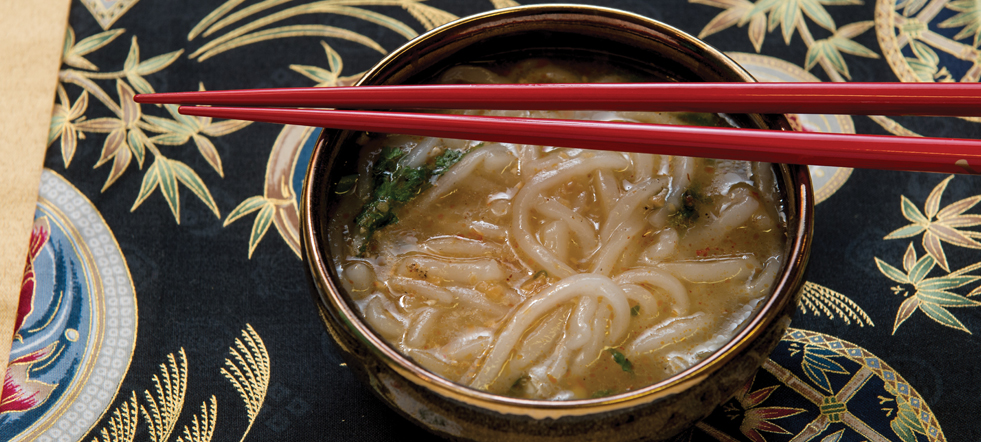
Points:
[820,299]
[932,296]
[789,15]
[165,404]
[498,4]
[940,225]
[122,425]
[204,428]
[248,371]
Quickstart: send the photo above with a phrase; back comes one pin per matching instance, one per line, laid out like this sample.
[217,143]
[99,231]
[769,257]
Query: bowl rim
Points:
[799,194]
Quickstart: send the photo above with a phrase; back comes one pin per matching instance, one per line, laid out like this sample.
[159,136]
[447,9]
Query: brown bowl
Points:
[658,411]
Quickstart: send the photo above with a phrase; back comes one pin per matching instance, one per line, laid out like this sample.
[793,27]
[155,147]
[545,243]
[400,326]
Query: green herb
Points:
[518,387]
[700,119]
[395,185]
[539,273]
[447,159]
[346,184]
[687,214]
[635,310]
[621,360]
[601,393]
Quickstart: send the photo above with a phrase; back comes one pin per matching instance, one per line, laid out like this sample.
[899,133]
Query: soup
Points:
[553,273]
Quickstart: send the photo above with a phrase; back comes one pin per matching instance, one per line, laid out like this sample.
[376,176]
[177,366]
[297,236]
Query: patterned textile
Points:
[164,296]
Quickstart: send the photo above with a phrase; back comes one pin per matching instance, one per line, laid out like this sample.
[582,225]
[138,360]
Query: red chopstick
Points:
[944,155]
[940,99]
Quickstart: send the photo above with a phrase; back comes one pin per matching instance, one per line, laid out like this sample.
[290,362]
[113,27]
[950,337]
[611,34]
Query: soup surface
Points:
[553,273]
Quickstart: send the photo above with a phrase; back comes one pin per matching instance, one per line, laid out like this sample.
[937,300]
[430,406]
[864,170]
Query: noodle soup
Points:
[552,273]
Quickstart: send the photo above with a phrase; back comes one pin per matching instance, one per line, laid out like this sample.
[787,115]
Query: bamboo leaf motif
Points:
[906,424]
[734,11]
[947,282]
[171,139]
[428,16]
[850,47]
[818,363]
[815,11]
[207,150]
[262,222]
[150,182]
[940,225]
[942,316]
[921,269]
[909,258]
[913,6]
[944,299]
[248,371]
[498,4]
[68,43]
[241,35]
[158,63]
[121,160]
[906,232]
[906,309]
[268,210]
[924,72]
[293,31]
[64,119]
[853,30]
[891,272]
[757,31]
[334,60]
[73,54]
[248,206]
[766,15]
[192,181]
[912,213]
[136,140]
[927,56]
[223,128]
[327,77]
[168,186]
[931,295]
[203,429]
[122,425]
[822,299]
[165,404]
[211,18]
[836,437]
[133,57]
[968,16]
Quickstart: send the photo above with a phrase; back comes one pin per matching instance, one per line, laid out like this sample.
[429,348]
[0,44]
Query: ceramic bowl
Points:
[658,411]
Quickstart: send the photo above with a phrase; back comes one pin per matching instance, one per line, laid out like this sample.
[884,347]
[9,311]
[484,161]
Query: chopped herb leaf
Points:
[635,310]
[346,184]
[396,185]
[601,393]
[700,119]
[687,214]
[447,159]
[539,273]
[621,360]
[517,388]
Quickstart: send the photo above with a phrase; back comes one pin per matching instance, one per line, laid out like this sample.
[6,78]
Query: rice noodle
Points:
[579,225]
[528,195]
[533,308]
[667,283]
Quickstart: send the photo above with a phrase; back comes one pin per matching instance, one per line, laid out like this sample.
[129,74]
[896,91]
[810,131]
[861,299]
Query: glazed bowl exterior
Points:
[658,411]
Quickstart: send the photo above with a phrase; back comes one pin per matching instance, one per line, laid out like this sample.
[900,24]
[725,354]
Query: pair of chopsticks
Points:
[945,155]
